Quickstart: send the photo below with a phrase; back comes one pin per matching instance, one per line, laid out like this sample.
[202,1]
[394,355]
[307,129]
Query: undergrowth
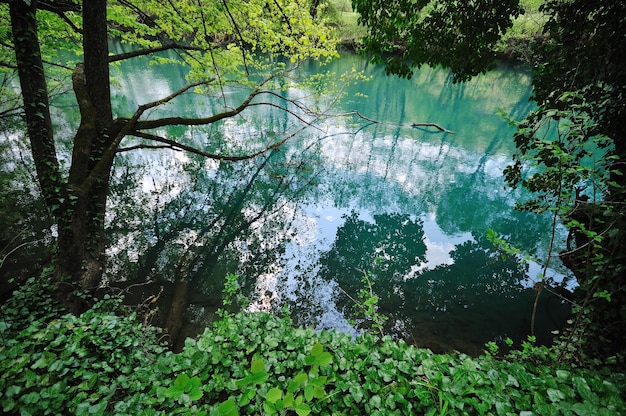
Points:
[107,362]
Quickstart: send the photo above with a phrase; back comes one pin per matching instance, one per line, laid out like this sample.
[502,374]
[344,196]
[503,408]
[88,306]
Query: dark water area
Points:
[301,225]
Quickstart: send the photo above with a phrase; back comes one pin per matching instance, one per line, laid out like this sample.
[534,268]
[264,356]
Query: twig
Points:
[413,125]
[17,248]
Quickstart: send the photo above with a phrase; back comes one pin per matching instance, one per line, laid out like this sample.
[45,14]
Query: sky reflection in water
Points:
[410,206]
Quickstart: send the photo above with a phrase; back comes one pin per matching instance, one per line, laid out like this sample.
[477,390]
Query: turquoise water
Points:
[301,225]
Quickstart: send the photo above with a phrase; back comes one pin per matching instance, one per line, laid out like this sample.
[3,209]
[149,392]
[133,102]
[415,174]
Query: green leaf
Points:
[195,394]
[274,394]
[555,395]
[288,400]
[257,366]
[269,408]
[99,408]
[309,391]
[301,378]
[324,359]
[228,408]
[585,392]
[303,409]
[317,349]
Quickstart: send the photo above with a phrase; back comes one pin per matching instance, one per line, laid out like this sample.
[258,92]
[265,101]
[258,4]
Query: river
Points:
[407,206]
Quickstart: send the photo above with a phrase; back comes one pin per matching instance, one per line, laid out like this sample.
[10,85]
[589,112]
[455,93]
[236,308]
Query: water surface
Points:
[301,225]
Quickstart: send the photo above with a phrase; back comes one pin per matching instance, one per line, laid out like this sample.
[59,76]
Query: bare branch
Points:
[197,121]
[145,146]
[242,43]
[230,158]
[58,6]
[6,65]
[144,52]
[414,125]
[285,109]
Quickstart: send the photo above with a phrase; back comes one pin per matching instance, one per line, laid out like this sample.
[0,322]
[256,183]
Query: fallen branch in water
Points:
[435,125]
[413,125]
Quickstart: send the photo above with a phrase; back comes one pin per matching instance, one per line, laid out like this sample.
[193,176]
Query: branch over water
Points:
[413,125]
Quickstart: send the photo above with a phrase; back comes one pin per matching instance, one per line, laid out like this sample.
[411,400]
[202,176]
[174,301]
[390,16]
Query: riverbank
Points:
[106,361]
[519,44]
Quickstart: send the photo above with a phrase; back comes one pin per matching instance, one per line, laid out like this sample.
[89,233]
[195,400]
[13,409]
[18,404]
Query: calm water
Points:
[300,226]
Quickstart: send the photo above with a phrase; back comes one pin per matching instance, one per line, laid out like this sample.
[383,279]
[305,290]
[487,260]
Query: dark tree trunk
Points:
[35,97]
[79,205]
[81,248]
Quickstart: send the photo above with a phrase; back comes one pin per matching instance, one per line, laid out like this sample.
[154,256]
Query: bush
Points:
[252,363]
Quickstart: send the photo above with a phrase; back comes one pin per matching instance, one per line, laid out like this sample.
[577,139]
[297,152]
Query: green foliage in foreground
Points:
[255,363]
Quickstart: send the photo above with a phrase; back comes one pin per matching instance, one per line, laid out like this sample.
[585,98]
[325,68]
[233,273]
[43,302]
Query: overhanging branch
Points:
[196,121]
[60,7]
[414,125]
[174,145]
[144,52]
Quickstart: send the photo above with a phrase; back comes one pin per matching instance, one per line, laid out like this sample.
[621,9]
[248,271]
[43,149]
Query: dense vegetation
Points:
[102,362]
[570,151]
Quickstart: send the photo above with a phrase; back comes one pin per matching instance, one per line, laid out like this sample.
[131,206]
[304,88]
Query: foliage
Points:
[459,35]
[570,151]
[524,40]
[53,363]
[366,304]
[249,45]
[105,363]
[571,171]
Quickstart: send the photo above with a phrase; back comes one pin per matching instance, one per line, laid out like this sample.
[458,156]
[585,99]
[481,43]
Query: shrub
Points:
[255,363]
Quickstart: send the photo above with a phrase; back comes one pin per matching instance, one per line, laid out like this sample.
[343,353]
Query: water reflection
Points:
[300,225]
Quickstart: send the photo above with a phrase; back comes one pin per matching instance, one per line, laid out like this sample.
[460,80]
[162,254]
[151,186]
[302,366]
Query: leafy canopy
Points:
[460,35]
[222,41]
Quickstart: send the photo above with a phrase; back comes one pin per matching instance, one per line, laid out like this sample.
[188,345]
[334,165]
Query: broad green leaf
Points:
[269,408]
[181,381]
[174,392]
[555,395]
[228,408]
[585,392]
[324,359]
[288,400]
[301,378]
[309,390]
[303,409]
[317,349]
[274,394]
[257,366]
[195,394]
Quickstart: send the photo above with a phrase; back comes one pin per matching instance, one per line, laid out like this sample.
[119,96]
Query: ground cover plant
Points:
[106,361]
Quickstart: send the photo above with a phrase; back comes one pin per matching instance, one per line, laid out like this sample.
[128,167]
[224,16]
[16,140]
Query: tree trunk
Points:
[35,97]
[79,205]
[81,248]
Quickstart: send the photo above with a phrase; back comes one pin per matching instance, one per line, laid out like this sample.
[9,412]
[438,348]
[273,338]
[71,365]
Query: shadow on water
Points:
[300,225]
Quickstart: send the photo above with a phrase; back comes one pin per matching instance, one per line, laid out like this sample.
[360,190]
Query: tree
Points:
[224,43]
[580,174]
[460,35]
[574,143]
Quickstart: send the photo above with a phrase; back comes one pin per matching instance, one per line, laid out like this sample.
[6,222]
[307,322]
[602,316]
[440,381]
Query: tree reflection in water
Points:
[409,206]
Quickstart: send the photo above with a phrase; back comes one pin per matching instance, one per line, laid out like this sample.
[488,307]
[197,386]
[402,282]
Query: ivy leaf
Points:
[303,409]
[228,408]
[273,395]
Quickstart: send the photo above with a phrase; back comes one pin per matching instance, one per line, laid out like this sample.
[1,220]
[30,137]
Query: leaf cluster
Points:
[458,35]
[249,363]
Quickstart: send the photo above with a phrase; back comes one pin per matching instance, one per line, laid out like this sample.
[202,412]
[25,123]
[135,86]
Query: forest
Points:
[68,346]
